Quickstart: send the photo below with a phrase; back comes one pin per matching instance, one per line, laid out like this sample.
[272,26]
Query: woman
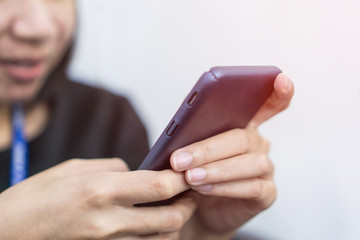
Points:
[95,199]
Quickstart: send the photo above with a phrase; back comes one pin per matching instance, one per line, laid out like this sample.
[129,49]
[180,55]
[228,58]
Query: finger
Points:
[158,220]
[222,146]
[241,167]
[277,102]
[261,191]
[81,166]
[135,187]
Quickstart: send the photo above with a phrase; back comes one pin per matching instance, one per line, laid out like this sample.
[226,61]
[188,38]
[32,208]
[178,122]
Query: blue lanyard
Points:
[19,149]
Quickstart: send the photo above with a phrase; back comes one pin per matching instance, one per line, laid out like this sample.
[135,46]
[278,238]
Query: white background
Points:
[154,51]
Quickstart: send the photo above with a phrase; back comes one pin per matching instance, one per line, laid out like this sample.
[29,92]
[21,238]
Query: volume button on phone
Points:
[192,99]
[171,130]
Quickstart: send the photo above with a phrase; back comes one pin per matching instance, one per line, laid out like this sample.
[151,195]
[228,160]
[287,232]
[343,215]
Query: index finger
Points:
[278,101]
[136,187]
[219,147]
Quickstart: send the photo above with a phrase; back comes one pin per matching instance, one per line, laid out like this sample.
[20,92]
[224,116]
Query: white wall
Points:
[154,51]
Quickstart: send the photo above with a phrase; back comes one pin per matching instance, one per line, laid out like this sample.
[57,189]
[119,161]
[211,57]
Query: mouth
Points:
[23,70]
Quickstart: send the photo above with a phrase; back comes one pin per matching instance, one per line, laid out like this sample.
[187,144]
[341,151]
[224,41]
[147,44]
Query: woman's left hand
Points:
[232,171]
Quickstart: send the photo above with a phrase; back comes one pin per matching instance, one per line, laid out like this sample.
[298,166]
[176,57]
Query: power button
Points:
[171,130]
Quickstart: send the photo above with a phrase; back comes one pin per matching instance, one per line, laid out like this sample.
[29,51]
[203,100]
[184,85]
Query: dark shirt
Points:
[87,123]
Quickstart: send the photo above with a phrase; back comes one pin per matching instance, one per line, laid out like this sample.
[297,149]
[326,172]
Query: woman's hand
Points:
[94,199]
[231,171]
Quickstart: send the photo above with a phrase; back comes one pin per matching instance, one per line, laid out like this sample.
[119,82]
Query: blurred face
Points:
[34,35]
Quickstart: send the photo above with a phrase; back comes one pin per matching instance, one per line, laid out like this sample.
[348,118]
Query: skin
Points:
[93,201]
[232,172]
[82,199]
[33,29]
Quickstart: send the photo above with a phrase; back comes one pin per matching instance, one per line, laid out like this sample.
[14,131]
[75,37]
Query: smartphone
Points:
[224,98]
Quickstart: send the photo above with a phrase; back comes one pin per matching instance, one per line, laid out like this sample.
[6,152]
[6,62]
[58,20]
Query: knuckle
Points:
[176,221]
[221,170]
[243,138]
[271,198]
[239,133]
[257,190]
[274,194]
[163,186]
[95,195]
[264,164]
[97,228]
[88,190]
[274,106]
[266,144]
[122,164]
[271,167]
[284,106]
[206,150]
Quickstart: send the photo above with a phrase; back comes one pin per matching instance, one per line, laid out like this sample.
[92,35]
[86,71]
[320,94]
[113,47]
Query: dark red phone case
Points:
[223,99]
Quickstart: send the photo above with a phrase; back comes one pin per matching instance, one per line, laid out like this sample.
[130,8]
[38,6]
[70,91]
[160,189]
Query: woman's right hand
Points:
[94,199]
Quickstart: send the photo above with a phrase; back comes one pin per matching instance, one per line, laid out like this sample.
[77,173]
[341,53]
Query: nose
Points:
[33,22]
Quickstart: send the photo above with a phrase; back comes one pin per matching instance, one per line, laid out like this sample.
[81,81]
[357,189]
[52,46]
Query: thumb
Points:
[278,101]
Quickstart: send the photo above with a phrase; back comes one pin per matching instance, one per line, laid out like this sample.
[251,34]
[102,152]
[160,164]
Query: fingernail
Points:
[284,80]
[288,84]
[203,188]
[182,160]
[196,174]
